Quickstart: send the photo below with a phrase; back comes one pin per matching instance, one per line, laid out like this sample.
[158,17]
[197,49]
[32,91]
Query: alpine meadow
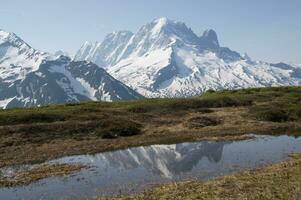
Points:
[109,100]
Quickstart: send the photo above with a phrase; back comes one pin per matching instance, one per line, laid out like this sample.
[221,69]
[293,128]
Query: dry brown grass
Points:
[38,173]
[280,181]
[16,148]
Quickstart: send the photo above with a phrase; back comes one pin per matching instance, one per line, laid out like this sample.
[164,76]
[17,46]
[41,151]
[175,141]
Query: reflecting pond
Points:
[134,169]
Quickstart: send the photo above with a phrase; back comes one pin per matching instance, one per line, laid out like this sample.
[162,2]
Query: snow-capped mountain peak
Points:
[104,53]
[17,58]
[159,24]
[118,34]
[9,37]
[161,34]
[163,23]
[209,39]
[165,58]
[169,29]
[61,53]
[3,35]
[29,77]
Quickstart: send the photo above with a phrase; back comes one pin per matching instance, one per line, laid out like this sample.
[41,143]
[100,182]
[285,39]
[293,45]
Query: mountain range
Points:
[29,78]
[164,58]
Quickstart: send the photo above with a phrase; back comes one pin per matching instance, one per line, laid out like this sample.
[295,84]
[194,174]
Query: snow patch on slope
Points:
[4,103]
[70,85]
[90,90]
[137,71]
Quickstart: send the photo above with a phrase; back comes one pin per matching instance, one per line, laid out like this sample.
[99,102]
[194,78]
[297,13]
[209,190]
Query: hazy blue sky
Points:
[266,29]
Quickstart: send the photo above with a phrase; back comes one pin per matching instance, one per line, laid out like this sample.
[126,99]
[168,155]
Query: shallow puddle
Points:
[132,170]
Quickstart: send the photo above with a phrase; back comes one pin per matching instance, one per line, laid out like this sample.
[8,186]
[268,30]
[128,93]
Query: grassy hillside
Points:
[38,134]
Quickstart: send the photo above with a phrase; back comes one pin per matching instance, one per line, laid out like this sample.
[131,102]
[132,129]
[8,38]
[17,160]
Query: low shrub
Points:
[269,113]
[204,110]
[118,128]
[30,117]
[202,121]
[141,108]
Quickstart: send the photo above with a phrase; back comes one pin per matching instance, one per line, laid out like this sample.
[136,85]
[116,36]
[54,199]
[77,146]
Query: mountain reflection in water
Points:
[134,169]
[163,160]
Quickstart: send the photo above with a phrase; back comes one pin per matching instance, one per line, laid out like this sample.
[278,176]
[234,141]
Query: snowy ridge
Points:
[30,78]
[17,58]
[165,58]
[105,53]
[62,53]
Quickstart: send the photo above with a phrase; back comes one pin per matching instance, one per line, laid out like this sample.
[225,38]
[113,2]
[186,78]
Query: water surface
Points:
[132,170]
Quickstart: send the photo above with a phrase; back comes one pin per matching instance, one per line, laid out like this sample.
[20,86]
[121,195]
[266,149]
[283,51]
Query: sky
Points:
[268,30]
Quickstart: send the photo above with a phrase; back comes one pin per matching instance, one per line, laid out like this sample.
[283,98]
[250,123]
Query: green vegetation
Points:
[279,181]
[202,121]
[283,100]
[105,110]
[37,134]
[118,127]
[32,116]
[277,104]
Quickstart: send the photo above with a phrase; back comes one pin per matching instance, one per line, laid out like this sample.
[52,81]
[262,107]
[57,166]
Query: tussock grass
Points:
[17,117]
[118,128]
[37,173]
[275,104]
[280,181]
[202,121]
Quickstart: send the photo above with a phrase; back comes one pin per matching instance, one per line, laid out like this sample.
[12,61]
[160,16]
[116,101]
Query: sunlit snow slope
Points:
[32,78]
[167,59]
